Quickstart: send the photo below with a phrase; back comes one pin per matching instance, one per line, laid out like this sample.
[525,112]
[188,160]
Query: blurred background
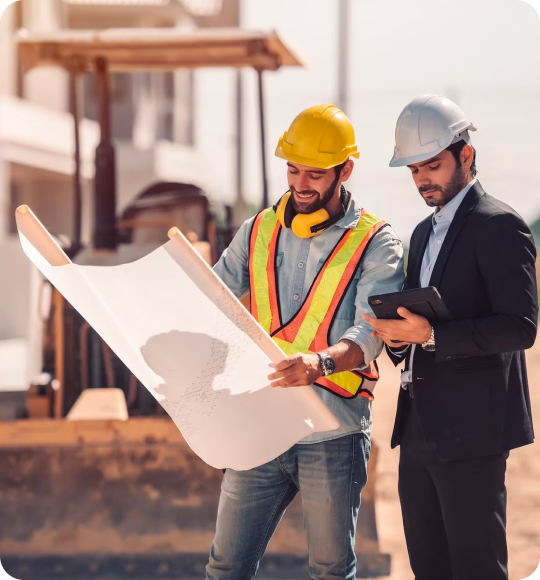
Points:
[122,118]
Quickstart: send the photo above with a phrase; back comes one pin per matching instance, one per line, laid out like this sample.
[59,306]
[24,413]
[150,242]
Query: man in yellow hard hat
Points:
[310,263]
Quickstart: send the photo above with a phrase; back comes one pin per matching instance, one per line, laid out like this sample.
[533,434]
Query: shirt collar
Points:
[352,215]
[447,213]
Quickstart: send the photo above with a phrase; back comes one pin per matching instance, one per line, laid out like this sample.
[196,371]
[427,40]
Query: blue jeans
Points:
[330,477]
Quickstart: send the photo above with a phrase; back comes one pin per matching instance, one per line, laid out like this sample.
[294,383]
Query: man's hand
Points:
[413,329]
[298,370]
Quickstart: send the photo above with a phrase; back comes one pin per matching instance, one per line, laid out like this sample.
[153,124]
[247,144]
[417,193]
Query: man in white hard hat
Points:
[464,402]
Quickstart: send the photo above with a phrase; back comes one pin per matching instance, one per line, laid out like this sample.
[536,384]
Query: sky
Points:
[484,54]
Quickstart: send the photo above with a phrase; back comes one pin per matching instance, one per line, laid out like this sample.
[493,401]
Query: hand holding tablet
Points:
[425,302]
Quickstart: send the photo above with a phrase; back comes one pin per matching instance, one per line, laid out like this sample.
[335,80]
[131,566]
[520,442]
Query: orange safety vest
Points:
[308,330]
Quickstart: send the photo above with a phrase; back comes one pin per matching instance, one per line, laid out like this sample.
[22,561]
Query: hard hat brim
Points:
[312,162]
[405,161]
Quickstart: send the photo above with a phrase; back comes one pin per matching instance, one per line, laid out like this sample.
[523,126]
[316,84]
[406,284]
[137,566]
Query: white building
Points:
[153,131]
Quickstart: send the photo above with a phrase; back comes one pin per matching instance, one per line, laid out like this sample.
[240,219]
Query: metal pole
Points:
[77,186]
[105,179]
[265,201]
[343,55]
[239,140]
[59,347]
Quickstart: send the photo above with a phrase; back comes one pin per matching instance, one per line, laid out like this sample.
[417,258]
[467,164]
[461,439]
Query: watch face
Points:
[329,365]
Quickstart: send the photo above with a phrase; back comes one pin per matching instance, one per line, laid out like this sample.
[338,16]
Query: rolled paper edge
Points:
[36,233]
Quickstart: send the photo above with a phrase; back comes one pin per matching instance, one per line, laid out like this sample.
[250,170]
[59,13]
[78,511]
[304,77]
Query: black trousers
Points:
[454,512]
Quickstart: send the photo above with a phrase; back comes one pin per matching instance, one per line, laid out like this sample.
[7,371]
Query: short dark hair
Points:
[338,168]
[456,149]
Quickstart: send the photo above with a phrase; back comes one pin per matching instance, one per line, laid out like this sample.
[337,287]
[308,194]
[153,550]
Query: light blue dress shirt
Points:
[298,262]
[440,221]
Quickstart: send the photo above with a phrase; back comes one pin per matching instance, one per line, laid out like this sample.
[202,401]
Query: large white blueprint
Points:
[196,349]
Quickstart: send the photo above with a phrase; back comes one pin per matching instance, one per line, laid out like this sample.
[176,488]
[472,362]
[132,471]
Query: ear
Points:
[467,156]
[346,172]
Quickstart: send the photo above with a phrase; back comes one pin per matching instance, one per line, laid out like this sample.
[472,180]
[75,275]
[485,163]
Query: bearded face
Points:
[311,188]
[440,178]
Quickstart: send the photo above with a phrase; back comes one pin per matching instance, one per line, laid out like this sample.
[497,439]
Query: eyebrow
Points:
[428,162]
[319,172]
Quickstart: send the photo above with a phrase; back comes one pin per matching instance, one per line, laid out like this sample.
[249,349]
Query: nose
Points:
[422,181]
[302,183]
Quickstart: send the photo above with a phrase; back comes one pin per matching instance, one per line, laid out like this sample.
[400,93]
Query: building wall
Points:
[154,132]
[47,86]
[8,86]
[8,63]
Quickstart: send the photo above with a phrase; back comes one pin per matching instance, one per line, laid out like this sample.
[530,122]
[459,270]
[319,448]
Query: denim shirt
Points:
[298,261]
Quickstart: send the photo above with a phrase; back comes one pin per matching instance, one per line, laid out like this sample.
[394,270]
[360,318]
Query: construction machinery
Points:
[129,499]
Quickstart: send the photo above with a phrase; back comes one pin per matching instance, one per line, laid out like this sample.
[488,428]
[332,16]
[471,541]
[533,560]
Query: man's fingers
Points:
[289,379]
[294,367]
[387,325]
[388,337]
[387,333]
[374,322]
[289,372]
[285,363]
[407,314]
[283,384]
[380,325]
[391,328]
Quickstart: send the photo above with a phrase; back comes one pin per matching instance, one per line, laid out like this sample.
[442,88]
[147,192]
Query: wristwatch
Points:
[429,345]
[328,364]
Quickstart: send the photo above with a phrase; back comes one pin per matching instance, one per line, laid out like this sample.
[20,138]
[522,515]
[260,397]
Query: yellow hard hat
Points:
[321,136]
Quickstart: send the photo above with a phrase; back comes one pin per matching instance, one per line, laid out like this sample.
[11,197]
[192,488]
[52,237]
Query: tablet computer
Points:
[426,302]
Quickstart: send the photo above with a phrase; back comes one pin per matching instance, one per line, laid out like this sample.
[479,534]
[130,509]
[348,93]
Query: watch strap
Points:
[429,344]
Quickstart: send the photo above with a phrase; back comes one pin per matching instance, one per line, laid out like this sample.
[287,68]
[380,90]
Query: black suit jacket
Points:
[472,395]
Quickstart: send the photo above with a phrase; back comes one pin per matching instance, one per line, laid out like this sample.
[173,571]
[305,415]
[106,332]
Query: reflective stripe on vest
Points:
[262,273]
[308,330]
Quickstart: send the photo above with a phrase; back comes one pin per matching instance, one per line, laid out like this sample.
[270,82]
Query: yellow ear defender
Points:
[309,224]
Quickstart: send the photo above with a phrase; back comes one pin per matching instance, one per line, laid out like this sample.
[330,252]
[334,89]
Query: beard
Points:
[448,191]
[319,202]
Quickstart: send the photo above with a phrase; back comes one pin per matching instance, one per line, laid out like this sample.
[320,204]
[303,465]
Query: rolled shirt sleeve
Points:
[382,272]
[233,266]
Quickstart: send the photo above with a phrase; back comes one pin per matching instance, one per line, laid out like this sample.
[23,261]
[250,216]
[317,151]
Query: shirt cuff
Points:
[371,346]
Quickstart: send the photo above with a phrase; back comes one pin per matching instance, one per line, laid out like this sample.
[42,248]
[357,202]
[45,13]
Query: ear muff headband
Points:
[311,224]
[280,208]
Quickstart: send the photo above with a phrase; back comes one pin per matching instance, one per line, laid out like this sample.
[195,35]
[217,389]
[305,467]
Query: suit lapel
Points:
[416,253]
[467,205]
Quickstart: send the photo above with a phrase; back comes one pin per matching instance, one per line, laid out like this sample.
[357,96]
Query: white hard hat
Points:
[427,126]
